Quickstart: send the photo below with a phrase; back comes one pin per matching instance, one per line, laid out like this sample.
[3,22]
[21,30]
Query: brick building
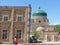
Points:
[13,22]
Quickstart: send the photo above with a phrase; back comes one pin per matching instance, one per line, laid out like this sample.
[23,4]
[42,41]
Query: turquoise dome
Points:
[39,12]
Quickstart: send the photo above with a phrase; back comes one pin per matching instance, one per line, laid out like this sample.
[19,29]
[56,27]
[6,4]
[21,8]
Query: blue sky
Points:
[52,7]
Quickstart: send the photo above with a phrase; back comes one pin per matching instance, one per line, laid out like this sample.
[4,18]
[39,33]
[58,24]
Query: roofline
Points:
[50,31]
[29,6]
[14,6]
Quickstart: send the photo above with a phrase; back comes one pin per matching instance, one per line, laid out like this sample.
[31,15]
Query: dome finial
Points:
[39,7]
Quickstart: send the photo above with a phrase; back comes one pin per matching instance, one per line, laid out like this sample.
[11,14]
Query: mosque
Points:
[40,23]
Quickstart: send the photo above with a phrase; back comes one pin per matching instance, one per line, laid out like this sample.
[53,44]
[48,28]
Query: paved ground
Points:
[44,43]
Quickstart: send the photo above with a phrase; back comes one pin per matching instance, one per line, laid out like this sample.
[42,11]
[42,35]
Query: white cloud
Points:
[56,23]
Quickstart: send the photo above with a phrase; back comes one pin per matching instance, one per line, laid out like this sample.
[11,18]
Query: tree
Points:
[57,28]
[37,34]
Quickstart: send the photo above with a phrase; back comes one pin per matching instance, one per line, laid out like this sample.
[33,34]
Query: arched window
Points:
[39,21]
[33,21]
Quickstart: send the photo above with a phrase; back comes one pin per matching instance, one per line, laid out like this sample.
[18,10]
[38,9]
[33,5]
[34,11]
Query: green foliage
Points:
[57,28]
[37,34]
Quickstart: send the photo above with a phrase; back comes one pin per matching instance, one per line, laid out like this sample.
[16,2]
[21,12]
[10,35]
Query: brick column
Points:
[25,19]
[11,28]
[45,37]
[52,38]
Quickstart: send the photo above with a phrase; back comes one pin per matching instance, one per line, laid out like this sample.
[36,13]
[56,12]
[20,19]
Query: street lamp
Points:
[29,20]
